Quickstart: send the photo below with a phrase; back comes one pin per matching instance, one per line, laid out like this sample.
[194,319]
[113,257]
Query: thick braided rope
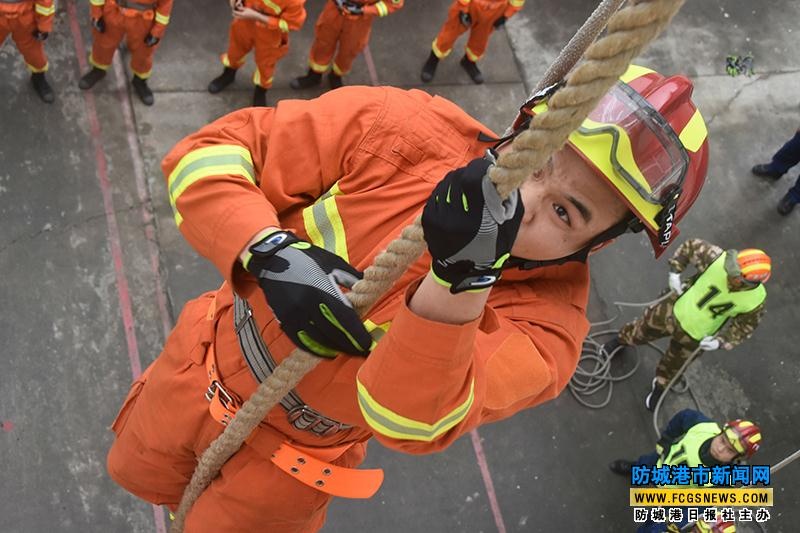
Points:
[629,30]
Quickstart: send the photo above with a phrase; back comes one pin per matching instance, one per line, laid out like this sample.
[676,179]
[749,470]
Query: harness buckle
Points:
[303,417]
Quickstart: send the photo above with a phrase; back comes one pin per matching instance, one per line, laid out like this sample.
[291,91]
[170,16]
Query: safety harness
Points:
[308,464]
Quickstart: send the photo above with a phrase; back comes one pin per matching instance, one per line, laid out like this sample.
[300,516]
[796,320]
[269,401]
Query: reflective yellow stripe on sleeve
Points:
[45,11]
[516,3]
[324,224]
[283,26]
[273,6]
[162,19]
[382,9]
[391,424]
[98,3]
[217,160]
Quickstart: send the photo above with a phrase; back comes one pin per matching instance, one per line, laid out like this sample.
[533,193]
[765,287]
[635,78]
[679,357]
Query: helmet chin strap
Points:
[629,225]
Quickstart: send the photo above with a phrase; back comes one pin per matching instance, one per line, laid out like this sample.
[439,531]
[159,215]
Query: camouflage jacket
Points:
[700,254]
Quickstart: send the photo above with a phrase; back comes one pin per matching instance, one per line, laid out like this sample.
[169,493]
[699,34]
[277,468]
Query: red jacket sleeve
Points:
[235,176]
[96,8]
[291,18]
[427,383]
[383,7]
[45,9]
[513,7]
[163,11]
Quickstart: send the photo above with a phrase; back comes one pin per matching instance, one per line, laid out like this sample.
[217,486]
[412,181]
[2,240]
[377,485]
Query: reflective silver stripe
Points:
[261,363]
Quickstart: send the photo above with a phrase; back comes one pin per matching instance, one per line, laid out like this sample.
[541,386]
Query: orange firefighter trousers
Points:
[270,45]
[21,27]
[162,429]
[484,13]
[134,26]
[332,27]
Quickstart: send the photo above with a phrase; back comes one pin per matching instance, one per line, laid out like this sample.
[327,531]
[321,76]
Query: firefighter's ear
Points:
[597,247]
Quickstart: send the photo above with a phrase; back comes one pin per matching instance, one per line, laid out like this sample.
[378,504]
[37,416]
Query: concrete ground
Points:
[95,270]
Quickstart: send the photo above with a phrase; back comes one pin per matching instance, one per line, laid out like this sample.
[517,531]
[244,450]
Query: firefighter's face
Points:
[566,206]
[722,450]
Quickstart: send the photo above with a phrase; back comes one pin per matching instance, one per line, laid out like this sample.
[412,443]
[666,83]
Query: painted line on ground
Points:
[373,73]
[114,242]
[487,480]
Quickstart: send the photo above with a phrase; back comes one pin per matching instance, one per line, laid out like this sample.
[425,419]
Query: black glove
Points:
[99,25]
[663,445]
[465,19]
[353,9]
[469,230]
[40,35]
[499,23]
[301,283]
[151,40]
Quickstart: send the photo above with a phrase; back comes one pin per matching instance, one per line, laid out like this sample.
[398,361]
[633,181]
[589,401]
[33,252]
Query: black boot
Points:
[765,171]
[622,467]
[91,78]
[311,79]
[429,68]
[142,90]
[335,80]
[656,390]
[42,88]
[222,81]
[259,97]
[786,205]
[472,69]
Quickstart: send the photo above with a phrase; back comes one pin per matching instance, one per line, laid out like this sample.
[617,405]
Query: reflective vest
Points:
[686,451]
[708,303]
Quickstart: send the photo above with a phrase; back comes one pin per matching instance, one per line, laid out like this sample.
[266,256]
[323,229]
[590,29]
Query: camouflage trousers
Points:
[656,323]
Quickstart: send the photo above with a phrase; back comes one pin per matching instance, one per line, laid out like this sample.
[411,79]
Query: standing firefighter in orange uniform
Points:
[263,25]
[480,18]
[142,23]
[346,23]
[29,23]
[347,172]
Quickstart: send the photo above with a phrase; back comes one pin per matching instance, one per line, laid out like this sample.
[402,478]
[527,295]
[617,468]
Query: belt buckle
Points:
[296,414]
[224,398]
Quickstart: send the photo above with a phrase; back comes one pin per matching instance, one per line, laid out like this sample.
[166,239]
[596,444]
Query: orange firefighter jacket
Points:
[348,171]
[43,10]
[160,9]
[284,15]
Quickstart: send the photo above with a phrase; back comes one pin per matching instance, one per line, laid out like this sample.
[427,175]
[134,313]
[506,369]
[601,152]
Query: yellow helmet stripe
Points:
[694,133]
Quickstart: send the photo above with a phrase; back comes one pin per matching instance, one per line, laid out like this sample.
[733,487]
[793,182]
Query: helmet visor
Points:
[635,148]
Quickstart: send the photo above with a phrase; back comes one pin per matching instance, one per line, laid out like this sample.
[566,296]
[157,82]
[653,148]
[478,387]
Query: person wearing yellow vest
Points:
[720,306]
[692,439]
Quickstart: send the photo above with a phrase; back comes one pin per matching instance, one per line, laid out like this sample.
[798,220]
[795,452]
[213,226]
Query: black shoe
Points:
[311,79]
[259,97]
[622,467]
[613,345]
[429,68]
[786,204]
[765,172]
[335,80]
[42,88]
[142,90]
[472,69]
[91,78]
[222,81]
[656,390]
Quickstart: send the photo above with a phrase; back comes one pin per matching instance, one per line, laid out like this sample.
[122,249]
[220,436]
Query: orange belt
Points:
[307,464]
